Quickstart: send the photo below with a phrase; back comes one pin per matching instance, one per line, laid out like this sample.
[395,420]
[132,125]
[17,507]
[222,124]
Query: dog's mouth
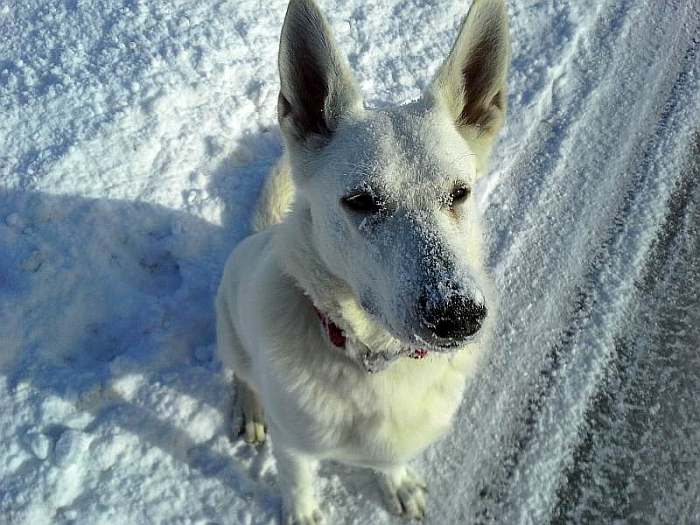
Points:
[440,345]
[417,345]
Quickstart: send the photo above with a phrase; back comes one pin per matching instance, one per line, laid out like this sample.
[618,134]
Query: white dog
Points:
[355,315]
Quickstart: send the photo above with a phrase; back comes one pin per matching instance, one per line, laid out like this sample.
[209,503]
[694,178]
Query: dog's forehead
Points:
[403,150]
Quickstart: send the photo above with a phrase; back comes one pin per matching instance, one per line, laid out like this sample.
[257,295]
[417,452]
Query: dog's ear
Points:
[316,86]
[471,84]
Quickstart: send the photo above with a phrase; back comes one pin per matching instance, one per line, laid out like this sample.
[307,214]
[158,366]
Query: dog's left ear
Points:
[471,84]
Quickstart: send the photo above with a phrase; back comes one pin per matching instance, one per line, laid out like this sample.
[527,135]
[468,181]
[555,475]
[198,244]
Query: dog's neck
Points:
[301,262]
[326,292]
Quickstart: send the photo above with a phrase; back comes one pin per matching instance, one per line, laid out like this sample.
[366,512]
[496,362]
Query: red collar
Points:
[337,336]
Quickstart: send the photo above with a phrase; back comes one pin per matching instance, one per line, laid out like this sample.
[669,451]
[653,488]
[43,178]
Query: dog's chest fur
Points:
[397,413]
[340,411]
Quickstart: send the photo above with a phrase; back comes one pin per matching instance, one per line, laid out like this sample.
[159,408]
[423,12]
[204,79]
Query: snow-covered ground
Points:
[134,137]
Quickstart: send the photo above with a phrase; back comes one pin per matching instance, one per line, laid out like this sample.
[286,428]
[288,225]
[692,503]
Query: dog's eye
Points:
[362,203]
[458,195]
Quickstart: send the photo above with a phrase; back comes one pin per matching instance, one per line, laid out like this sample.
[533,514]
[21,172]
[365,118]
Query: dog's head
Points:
[388,193]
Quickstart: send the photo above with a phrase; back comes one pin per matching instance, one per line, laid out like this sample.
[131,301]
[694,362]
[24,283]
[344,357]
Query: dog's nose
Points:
[456,318]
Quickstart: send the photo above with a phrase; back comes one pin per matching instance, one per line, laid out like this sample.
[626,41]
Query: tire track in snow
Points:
[597,291]
[623,409]
[608,478]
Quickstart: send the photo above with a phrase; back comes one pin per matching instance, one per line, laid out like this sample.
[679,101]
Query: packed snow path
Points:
[133,141]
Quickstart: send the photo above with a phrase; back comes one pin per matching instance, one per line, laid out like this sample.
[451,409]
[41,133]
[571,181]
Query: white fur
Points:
[365,274]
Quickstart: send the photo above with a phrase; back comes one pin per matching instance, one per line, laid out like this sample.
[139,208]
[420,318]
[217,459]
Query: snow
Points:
[133,142]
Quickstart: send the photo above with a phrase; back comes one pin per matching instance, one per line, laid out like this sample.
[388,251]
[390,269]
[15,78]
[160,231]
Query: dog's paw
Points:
[248,417]
[404,493]
[309,515]
[253,430]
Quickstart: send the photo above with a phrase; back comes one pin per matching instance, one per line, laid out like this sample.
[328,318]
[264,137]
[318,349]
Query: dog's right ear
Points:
[316,86]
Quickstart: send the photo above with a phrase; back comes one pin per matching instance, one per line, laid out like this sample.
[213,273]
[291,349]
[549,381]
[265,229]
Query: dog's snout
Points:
[455,318]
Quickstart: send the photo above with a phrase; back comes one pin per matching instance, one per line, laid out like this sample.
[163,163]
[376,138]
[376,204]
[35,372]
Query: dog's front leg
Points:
[403,491]
[296,480]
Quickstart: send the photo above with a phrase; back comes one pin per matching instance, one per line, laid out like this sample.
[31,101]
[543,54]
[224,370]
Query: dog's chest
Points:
[385,418]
